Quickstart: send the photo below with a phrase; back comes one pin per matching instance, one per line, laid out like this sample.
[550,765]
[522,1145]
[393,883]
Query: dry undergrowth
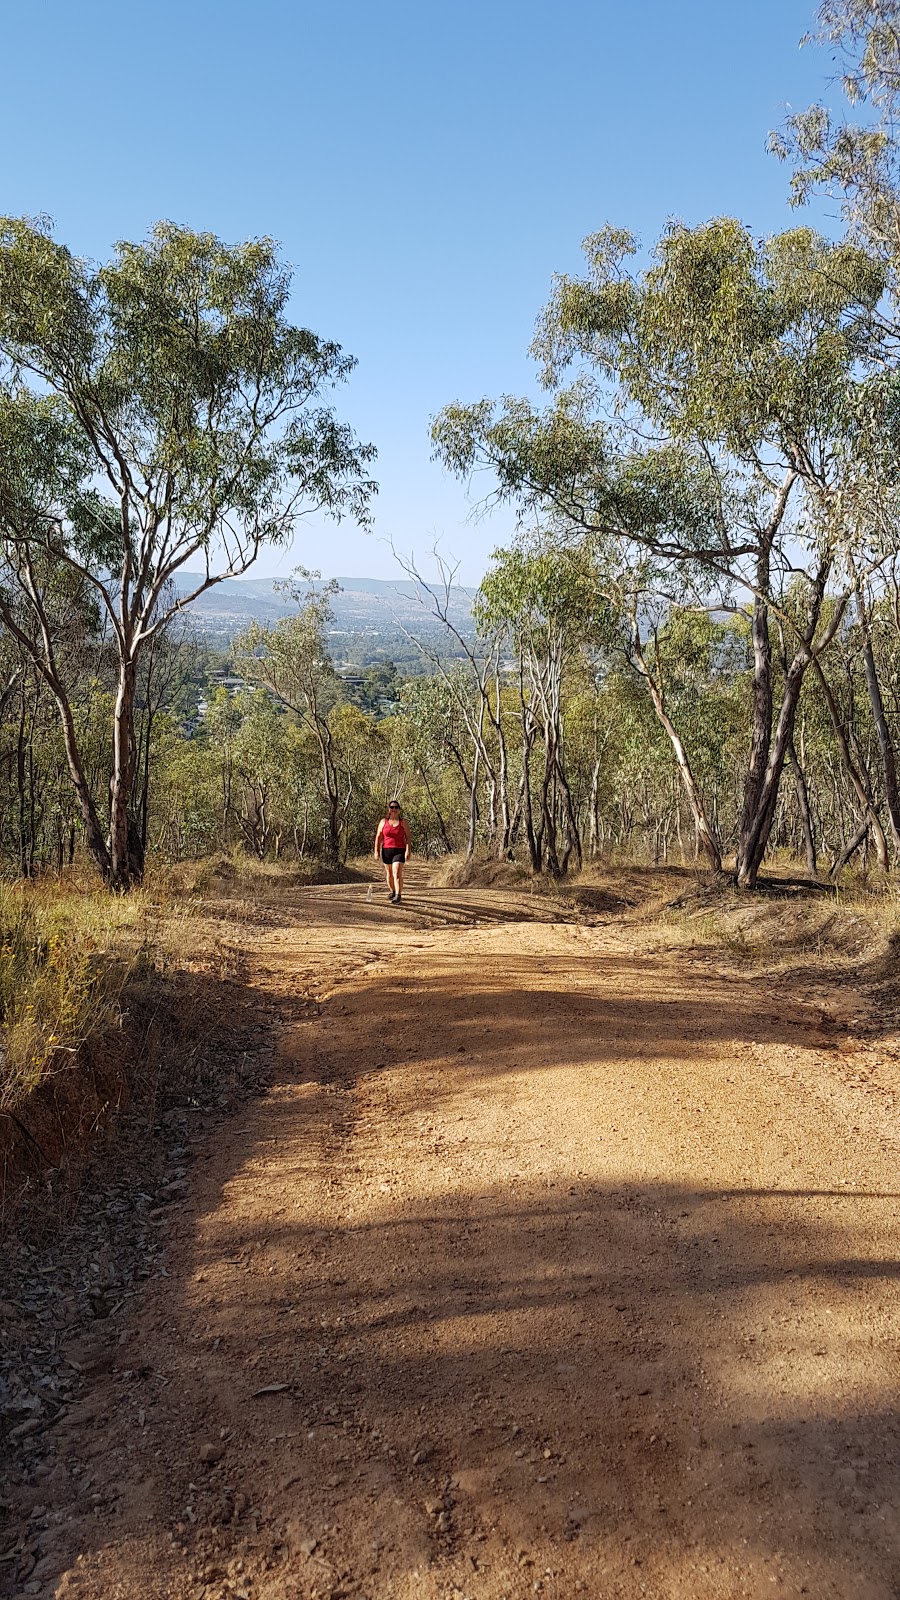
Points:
[71,954]
[855,931]
[108,1004]
[481,872]
[66,954]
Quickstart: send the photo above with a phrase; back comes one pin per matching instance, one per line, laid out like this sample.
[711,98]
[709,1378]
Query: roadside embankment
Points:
[113,1009]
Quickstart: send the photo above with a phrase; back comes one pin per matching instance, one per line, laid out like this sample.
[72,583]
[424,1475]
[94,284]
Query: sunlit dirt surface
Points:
[549,1265]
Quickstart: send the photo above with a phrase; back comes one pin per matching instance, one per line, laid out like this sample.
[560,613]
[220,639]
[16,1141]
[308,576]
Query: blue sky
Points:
[426,168]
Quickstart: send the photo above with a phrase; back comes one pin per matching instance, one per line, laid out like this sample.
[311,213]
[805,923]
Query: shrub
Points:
[59,983]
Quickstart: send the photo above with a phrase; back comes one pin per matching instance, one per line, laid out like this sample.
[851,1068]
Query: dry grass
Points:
[65,958]
[777,929]
[72,955]
[481,872]
[113,1010]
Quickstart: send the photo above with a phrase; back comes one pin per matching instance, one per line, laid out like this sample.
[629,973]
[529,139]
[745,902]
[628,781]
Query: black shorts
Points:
[390,856]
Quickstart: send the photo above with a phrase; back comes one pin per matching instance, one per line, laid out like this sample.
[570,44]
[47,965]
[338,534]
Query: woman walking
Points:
[392,840]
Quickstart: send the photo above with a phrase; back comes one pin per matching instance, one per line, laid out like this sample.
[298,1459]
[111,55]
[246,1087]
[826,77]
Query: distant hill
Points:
[365,607]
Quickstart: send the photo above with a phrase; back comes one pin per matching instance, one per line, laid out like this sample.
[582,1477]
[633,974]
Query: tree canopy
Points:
[157,412]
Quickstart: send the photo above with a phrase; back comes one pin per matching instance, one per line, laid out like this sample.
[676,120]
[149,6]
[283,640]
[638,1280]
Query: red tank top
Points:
[394,835]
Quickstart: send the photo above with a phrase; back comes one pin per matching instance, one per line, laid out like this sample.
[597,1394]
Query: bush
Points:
[59,984]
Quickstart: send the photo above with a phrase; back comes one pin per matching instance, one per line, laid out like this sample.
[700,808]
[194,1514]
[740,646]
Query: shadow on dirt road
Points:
[540,1270]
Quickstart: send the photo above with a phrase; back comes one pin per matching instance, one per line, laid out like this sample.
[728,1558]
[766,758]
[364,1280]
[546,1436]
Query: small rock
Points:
[299,1540]
[211,1453]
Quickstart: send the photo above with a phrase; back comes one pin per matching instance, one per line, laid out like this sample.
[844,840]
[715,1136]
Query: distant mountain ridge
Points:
[362,605]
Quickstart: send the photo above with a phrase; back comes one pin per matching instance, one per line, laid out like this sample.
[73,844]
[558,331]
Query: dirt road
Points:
[551,1264]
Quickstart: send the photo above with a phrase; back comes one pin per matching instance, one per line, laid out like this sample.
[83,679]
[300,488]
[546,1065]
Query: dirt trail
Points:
[549,1265]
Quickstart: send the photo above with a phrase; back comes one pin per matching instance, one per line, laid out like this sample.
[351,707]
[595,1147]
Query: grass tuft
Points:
[63,966]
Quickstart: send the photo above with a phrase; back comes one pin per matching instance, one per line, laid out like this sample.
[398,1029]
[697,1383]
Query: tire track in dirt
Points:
[543,1268]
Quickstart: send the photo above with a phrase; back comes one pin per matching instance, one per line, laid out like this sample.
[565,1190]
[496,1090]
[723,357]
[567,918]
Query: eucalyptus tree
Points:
[292,662]
[260,762]
[159,415]
[855,158]
[662,646]
[852,156]
[588,723]
[473,684]
[708,423]
[220,729]
[185,802]
[430,739]
[161,680]
[545,596]
[363,753]
[879,621]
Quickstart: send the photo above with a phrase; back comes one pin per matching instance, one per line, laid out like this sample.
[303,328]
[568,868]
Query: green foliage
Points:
[855,160]
[175,371]
[544,585]
[720,340]
[717,426]
[154,411]
[291,659]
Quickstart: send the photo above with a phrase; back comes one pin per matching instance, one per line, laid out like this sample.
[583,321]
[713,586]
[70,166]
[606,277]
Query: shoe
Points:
[397,900]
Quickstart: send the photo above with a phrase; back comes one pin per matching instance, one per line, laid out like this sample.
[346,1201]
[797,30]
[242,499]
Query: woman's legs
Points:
[393,871]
